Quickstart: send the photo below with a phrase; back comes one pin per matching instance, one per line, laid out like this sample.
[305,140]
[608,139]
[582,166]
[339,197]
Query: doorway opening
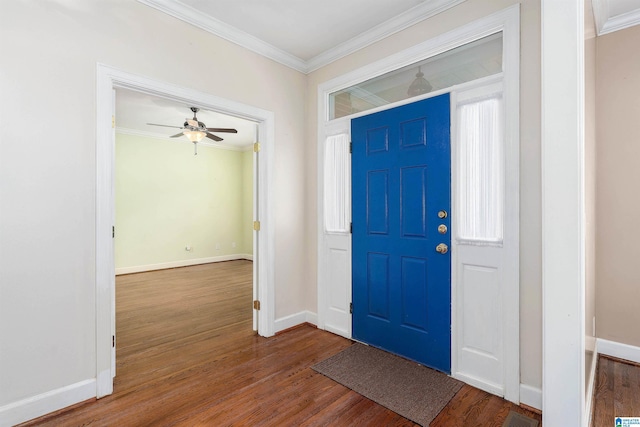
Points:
[110,79]
[480,253]
[181,209]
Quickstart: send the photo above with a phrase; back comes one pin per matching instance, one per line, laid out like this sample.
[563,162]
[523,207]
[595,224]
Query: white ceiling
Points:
[303,28]
[134,110]
[620,7]
[302,34]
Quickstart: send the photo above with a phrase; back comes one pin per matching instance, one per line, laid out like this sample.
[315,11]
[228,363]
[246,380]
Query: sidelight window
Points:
[336,184]
[480,192]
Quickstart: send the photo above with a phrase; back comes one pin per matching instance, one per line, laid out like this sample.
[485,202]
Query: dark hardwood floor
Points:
[617,391]
[187,356]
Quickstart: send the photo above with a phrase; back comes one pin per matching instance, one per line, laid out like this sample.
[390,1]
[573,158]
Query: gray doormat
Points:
[407,388]
[515,419]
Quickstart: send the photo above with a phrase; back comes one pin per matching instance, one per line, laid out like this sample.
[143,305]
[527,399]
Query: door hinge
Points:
[351,147]
[113,121]
[256,225]
[113,341]
[256,147]
[256,305]
[113,231]
[351,307]
[351,227]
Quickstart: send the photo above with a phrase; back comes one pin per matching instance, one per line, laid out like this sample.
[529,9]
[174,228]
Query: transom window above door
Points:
[475,60]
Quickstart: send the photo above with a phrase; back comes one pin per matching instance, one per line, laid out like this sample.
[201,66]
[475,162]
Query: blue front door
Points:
[401,178]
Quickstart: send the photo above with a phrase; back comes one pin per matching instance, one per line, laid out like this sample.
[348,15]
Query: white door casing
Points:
[563,214]
[109,78]
[481,265]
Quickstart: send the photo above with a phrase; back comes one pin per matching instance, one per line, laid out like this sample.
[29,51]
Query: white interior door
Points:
[255,235]
[113,221]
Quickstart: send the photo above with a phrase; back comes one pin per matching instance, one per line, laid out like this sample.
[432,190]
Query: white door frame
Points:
[109,78]
[508,22]
[563,209]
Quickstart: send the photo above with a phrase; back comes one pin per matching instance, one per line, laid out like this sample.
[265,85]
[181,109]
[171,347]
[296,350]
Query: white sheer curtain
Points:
[336,184]
[481,170]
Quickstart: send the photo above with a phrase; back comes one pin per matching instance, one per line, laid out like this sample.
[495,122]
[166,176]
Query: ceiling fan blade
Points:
[166,126]
[177,135]
[227,130]
[214,137]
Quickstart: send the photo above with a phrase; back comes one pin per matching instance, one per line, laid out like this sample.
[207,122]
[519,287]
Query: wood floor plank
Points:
[617,390]
[187,356]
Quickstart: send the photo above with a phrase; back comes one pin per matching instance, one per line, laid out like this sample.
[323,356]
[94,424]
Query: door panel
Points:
[480,346]
[400,181]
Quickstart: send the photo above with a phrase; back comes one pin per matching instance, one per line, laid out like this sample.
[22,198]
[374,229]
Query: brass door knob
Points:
[442,214]
[442,248]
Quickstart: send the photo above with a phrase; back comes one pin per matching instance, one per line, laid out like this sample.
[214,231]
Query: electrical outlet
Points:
[233,244]
[217,246]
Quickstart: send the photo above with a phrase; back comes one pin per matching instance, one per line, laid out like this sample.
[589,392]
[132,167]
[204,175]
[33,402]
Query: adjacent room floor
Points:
[617,391]
[187,355]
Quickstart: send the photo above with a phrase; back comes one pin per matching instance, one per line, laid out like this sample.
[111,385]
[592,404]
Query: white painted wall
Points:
[47,174]
[530,189]
[168,199]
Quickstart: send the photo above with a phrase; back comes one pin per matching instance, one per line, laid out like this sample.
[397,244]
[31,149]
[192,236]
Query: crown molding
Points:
[214,26]
[228,32]
[396,24]
[214,144]
[605,23]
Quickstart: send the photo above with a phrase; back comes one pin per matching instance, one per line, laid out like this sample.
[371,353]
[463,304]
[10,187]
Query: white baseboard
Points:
[531,396]
[181,263]
[619,350]
[312,318]
[42,404]
[295,319]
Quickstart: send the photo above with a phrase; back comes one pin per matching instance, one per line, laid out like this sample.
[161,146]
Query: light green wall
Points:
[167,199]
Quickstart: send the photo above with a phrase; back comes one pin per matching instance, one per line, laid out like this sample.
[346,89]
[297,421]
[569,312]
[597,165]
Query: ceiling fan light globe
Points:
[194,135]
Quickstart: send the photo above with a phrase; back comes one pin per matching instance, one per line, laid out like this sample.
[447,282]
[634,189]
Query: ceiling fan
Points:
[196,131]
